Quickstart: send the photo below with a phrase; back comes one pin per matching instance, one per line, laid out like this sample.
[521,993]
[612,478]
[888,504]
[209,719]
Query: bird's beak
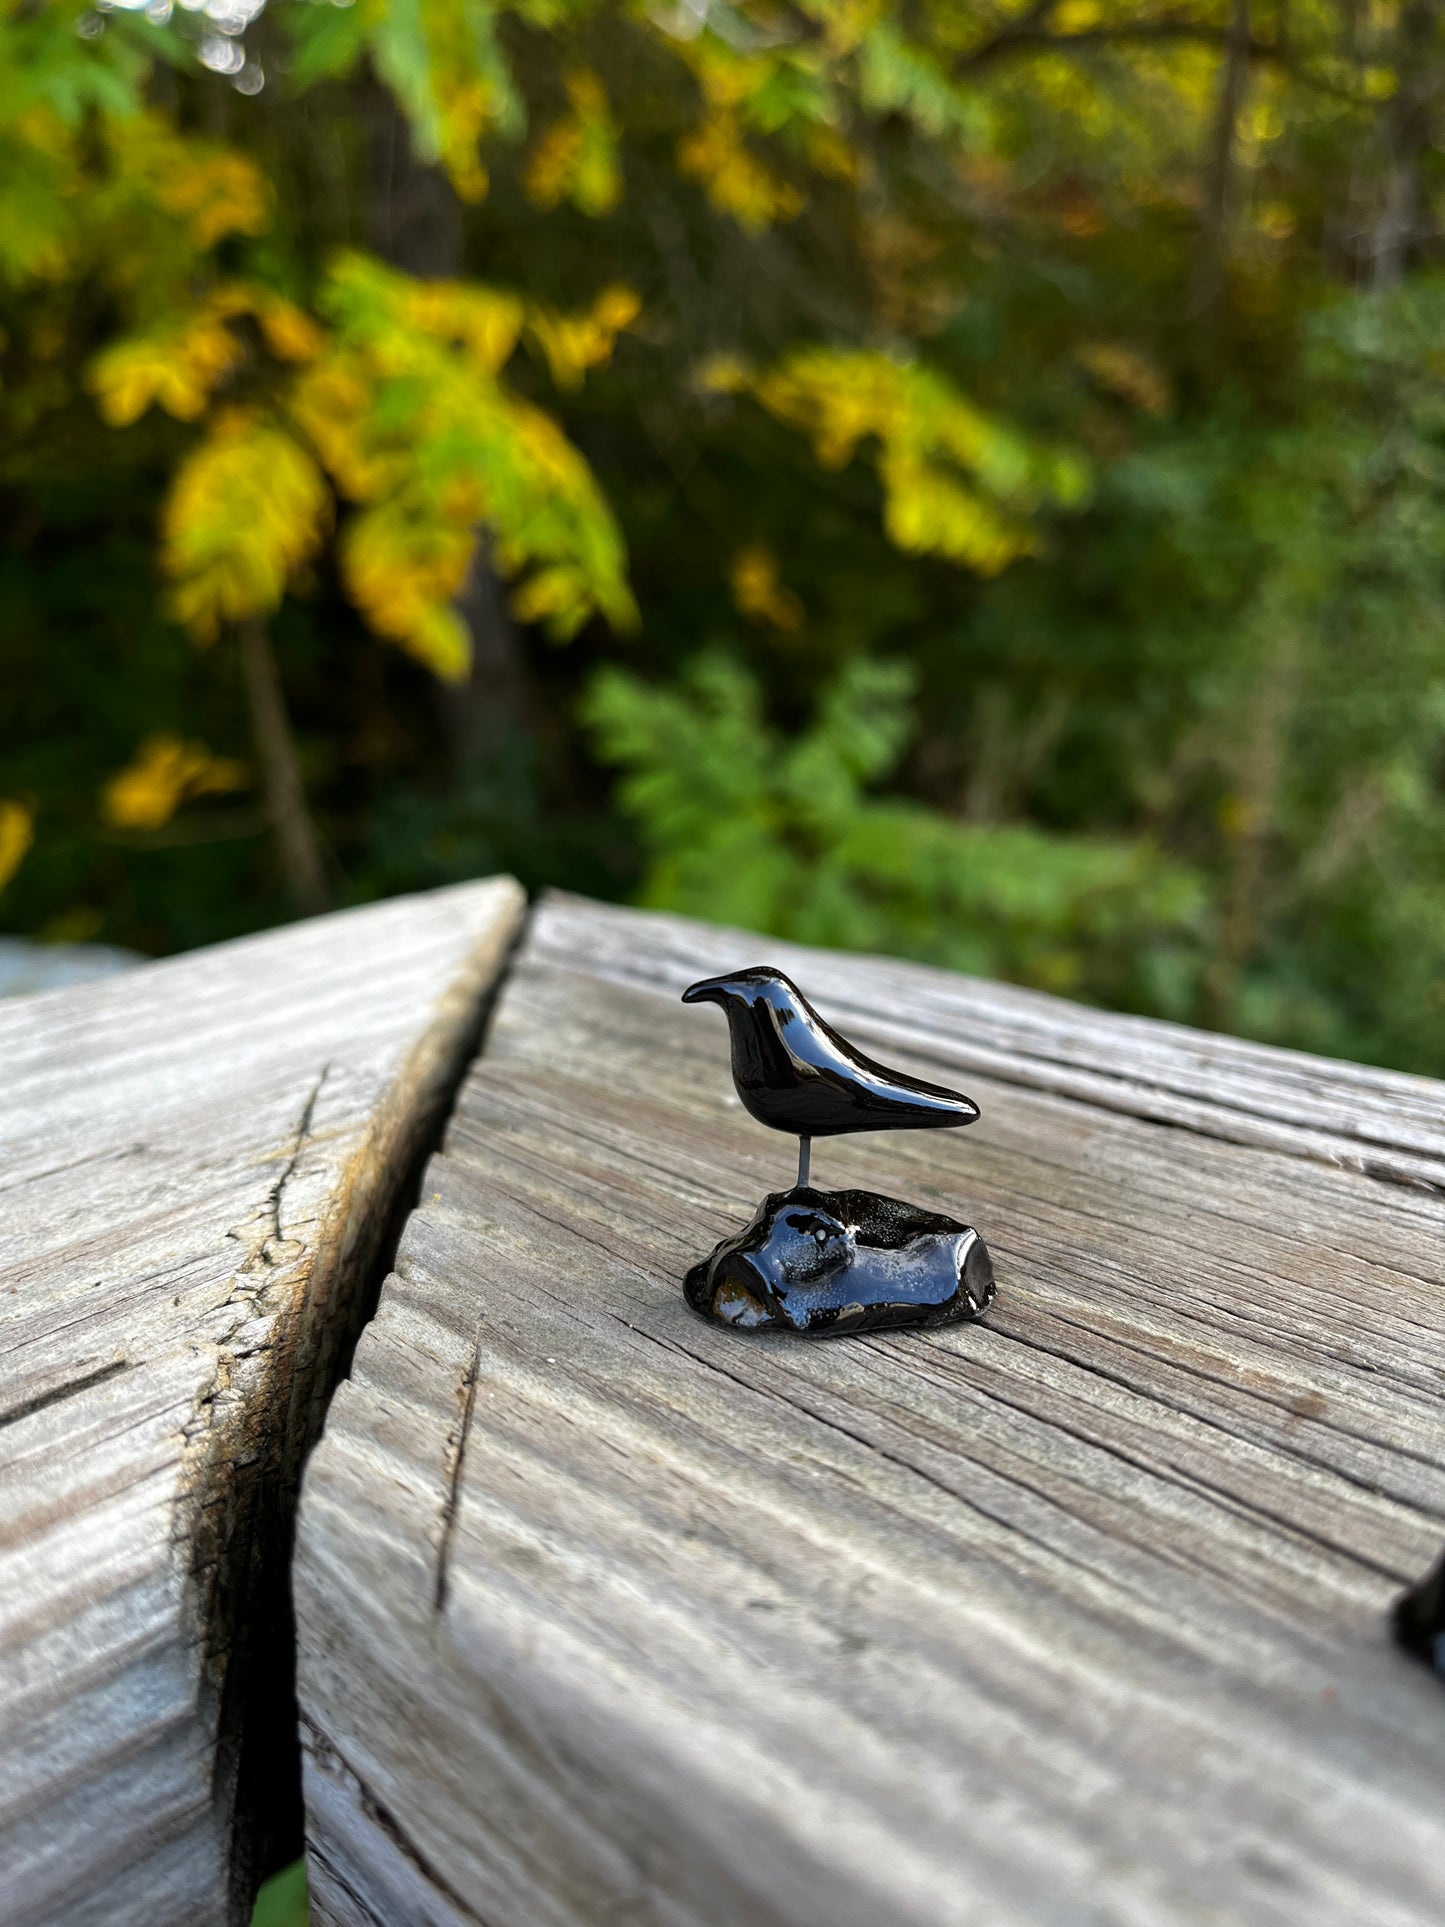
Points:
[712,990]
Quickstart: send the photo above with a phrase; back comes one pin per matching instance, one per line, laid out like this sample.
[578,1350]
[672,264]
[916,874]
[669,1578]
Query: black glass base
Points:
[827,1262]
[1420,1618]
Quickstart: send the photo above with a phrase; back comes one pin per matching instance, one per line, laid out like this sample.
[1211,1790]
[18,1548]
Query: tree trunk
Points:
[1261,773]
[1207,280]
[413,218]
[297,844]
[1407,134]
[494,704]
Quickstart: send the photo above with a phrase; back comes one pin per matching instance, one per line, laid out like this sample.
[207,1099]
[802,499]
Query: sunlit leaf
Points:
[247,508]
[758,592]
[576,158]
[573,344]
[737,181]
[957,482]
[17,833]
[164,773]
[410,416]
[175,366]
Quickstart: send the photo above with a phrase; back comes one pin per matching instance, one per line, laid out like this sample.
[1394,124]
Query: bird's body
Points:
[794,1072]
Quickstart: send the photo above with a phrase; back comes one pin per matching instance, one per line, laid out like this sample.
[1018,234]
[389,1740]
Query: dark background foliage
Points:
[1182,754]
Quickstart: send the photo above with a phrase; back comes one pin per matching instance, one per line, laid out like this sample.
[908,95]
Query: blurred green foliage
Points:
[960,480]
[282,1900]
[745,825]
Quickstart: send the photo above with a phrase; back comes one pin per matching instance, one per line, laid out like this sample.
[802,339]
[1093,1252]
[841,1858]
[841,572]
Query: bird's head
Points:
[742,990]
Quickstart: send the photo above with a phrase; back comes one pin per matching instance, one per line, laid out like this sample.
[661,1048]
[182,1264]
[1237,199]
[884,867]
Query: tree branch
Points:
[1027,27]
[1165,28]
[1022,38]
[1031,39]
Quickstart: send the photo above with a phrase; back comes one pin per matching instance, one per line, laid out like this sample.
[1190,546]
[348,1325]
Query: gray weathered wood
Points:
[199,1159]
[1381,1123]
[1077,1616]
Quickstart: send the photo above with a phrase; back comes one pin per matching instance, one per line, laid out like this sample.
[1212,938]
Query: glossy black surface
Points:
[795,1073]
[1420,1618]
[827,1262]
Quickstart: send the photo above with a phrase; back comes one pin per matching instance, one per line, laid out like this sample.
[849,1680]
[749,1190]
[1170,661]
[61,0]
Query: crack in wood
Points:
[269,1250]
[456,1459]
[43,1400]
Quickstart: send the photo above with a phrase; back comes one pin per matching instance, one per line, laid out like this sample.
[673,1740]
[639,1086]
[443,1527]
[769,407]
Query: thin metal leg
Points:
[805,1158]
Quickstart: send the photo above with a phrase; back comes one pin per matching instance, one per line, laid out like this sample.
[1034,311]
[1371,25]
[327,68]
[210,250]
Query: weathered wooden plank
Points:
[1075,1616]
[1383,1123]
[199,1160]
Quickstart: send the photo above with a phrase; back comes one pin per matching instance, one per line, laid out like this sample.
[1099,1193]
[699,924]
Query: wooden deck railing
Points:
[606,1615]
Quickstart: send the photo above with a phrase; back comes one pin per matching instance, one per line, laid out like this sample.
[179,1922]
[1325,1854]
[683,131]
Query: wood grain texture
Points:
[1075,1616]
[1381,1123]
[199,1159]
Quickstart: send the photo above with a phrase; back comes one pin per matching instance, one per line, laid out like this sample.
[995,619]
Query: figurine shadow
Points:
[1419,1618]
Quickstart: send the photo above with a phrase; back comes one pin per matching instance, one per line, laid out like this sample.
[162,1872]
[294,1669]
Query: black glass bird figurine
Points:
[815,1261]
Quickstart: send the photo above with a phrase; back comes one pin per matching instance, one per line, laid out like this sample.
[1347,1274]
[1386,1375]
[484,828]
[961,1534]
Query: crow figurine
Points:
[812,1261]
